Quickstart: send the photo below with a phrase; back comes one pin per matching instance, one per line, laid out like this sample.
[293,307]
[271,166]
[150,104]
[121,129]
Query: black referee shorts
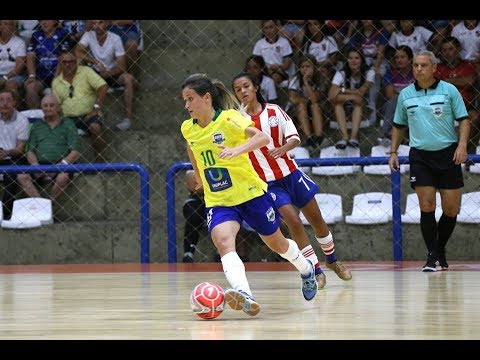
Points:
[435,168]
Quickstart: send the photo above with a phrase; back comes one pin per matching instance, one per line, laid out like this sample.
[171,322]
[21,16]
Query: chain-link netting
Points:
[98,215]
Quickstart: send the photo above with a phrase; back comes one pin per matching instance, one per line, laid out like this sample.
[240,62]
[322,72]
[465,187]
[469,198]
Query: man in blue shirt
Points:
[429,108]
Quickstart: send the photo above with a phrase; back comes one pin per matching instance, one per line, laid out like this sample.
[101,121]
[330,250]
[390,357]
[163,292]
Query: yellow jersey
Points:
[226,182]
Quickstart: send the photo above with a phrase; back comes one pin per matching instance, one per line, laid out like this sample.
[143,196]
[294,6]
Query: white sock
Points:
[326,243]
[294,255]
[309,253]
[234,270]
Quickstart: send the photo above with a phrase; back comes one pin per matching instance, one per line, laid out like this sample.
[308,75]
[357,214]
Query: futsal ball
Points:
[207,300]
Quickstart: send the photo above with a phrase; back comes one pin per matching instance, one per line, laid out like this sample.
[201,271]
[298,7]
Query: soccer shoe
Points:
[321,278]
[341,270]
[240,300]
[309,283]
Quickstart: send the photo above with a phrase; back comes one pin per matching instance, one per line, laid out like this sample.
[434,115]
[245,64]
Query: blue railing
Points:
[104,167]
[380,160]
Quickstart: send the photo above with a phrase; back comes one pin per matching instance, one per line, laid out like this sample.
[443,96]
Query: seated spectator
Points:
[81,93]
[12,57]
[323,47]
[195,219]
[440,29]
[340,30]
[307,92]
[371,40]
[463,75]
[131,35]
[104,52]
[293,31]
[75,29]
[26,28]
[14,131]
[416,37]
[349,92]
[42,59]
[53,140]
[468,33]
[277,53]
[395,80]
[256,66]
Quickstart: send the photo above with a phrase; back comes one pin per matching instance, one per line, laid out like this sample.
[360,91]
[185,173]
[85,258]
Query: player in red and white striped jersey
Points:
[289,186]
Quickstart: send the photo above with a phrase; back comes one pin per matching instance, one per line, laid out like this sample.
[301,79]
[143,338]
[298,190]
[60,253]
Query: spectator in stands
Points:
[104,52]
[53,140]
[75,29]
[81,92]
[429,107]
[42,59]
[293,31]
[277,53]
[14,132]
[323,47]
[340,30]
[131,35]
[291,189]
[441,29]
[389,26]
[195,219]
[233,190]
[371,39]
[26,28]
[463,75]
[256,66]
[468,34]
[394,81]
[307,92]
[349,92]
[12,57]
[416,37]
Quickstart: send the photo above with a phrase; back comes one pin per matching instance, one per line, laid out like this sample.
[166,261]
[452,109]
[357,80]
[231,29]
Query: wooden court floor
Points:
[384,300]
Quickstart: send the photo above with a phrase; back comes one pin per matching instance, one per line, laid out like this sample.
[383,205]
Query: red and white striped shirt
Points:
[274,121]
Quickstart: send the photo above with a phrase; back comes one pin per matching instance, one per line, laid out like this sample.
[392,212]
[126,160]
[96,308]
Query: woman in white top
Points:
[348,91]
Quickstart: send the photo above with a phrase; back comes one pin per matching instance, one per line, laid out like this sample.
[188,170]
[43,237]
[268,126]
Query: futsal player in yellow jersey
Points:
[218,141]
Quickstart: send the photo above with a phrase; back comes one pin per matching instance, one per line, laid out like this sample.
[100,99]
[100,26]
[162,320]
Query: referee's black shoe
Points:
[430,265]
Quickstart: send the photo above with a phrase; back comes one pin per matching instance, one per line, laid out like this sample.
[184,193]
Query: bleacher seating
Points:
[475,168]
[300,153]
[371,208]
[380,150]
[332,152]
[331,207]
[33,114]
[470,208]
[412,209]
[30,213]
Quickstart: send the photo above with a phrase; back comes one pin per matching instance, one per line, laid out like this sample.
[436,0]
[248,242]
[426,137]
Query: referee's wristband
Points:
[393,152]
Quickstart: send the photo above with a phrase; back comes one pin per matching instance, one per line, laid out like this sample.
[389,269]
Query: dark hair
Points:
[221,97]
[407,49]
[255,82]
[454,41]
[260,61]
[348,71]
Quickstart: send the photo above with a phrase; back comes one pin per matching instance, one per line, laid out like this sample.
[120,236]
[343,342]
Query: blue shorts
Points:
[260,213]
[297,189]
